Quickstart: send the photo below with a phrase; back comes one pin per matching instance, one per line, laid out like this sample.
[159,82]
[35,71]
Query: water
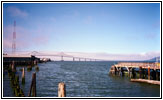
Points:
[82,79]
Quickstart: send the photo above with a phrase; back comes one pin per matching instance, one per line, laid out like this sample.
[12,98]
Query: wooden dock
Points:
[150,71]
[137,65]
[20,60]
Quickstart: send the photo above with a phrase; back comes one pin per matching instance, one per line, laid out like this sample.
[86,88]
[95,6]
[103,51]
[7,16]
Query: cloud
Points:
[24,38]
[40,39]
[103,56]
[20,38]
[7,43]
[14,11]
[122,57]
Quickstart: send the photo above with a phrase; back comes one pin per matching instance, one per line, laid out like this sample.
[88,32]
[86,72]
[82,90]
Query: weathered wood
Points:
[36,68]
[122,71]
[137,65]
[33,86]
[23,76]
[154,74]
[35,62]
[13,66]
[157,75]
[129,69]
[146,81]
[115,70]
[146,72]
[149,73]
[119,71]
[140,72]
[29,68]
[61,90]
[133,73]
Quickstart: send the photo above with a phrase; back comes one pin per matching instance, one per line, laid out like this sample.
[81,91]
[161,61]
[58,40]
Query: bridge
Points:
[61,55]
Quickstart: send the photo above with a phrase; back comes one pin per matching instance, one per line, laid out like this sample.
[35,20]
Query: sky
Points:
[99,28]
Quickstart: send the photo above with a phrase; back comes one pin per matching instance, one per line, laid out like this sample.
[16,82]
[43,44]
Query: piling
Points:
[140,72]
[61,90]
[133,73]
[29,68]
[157,75]
[154,74]
[129,69]
[17,79]
[36,68]
[35,62]
[148,73]
[143,73]
[122,71]
[115,70]
[23,76]
[119,71]
[13,66]
[15,84]
[33,86]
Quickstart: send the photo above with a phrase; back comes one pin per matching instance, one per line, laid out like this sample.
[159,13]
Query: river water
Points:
[82,79]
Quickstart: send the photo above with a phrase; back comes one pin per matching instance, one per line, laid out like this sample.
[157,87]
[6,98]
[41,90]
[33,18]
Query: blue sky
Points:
[115,28]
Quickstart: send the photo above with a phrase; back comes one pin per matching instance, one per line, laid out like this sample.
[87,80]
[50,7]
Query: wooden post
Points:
[115,70]
[35,62]
[61,90]
[140,72]
[23,76]
[143,73]
[154,74]
[122,71]
[133,73]
[13,66]
[129,69]
[157,75]
[119,71]
[148,73]
[29,68]
[33,86]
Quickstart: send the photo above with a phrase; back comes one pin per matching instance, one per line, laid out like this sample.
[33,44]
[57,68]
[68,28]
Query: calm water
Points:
[82,79]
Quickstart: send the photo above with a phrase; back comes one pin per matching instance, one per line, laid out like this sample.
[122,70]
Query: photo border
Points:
[83,97]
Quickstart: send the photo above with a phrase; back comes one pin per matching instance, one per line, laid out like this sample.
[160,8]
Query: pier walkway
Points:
[137,65]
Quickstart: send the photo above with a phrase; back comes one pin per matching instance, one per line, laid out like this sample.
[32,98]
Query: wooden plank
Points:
[146,81]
